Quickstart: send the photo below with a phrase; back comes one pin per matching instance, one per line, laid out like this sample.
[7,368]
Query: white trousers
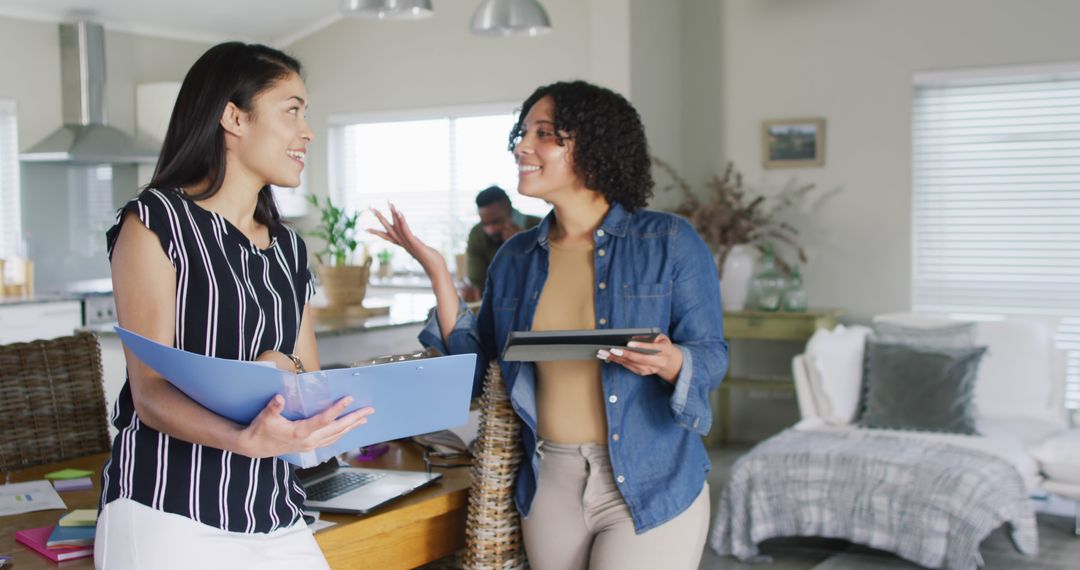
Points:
[133,536]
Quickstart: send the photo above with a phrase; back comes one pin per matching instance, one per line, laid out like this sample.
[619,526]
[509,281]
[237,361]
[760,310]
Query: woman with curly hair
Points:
[614,475]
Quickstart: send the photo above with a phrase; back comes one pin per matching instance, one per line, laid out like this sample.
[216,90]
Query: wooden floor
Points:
[1059,548]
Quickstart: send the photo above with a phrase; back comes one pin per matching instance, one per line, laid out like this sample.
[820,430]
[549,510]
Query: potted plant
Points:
[738,225]
[385,269]
[342,282]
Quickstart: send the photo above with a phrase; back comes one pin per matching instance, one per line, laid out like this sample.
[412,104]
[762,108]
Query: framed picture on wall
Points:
[789,143]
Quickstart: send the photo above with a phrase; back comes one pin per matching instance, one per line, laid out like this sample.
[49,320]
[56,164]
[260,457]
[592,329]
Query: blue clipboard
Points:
[410,398]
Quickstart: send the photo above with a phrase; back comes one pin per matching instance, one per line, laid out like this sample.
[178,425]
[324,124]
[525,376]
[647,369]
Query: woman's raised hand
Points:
[271,434]
[396,231]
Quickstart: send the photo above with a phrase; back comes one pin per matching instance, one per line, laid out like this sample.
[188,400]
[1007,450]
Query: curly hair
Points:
[611,154]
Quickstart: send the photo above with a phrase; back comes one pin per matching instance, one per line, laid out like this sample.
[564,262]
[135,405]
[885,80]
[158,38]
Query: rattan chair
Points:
[493,527]
[52,402]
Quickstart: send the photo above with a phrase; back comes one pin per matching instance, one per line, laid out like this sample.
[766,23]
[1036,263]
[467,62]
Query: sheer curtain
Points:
[430,165]
[996,205]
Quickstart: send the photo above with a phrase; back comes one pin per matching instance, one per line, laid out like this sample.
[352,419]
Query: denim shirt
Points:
[651,270]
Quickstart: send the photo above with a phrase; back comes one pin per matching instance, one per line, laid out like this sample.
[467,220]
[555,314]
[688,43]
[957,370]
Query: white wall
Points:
[656,81]
[851,62]
[30,73]
[357,66]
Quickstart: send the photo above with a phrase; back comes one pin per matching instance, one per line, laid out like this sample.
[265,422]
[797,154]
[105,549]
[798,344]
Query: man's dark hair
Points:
[491,195]
[611,154]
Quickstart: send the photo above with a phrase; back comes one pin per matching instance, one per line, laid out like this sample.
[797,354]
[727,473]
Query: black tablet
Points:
[537,346]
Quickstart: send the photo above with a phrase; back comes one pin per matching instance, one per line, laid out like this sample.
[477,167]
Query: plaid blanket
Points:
[929,502]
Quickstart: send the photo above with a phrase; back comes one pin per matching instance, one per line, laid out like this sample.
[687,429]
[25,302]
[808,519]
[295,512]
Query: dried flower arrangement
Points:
[728,215]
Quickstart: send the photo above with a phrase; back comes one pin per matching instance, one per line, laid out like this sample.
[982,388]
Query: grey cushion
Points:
[944,335]
[920,388]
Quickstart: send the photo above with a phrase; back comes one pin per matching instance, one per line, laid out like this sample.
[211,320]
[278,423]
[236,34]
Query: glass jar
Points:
[769,284]
[795,296]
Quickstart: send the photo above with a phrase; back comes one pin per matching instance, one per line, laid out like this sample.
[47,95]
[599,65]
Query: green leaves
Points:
[336,229]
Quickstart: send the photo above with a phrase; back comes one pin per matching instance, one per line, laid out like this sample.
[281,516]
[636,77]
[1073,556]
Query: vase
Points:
[795,296]
[768,285]
[735,277]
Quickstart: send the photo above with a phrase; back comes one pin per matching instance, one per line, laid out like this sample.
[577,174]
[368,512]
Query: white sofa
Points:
[1019,390]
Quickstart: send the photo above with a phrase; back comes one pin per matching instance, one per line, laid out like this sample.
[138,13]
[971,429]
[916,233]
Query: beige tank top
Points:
[569,394]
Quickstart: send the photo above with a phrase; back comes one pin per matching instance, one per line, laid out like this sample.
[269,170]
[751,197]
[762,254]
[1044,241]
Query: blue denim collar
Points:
[615,222]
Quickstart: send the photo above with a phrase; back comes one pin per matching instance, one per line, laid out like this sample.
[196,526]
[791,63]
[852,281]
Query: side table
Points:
[763,325]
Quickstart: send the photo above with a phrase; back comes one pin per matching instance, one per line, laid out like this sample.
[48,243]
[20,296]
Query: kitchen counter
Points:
[41,298]
[404,309]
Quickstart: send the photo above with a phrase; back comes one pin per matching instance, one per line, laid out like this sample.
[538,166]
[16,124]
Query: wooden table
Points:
[763,325]
[421,527]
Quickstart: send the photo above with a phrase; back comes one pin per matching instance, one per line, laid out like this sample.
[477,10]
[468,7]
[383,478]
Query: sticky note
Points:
[68,474]
[79,517]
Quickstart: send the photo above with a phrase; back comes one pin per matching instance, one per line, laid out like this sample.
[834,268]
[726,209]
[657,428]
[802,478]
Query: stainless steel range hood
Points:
[85,137]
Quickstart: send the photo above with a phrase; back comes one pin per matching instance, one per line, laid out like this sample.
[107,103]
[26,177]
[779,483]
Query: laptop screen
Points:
[321,470]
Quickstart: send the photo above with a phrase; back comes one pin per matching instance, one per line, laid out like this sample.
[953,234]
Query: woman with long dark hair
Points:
[201,261]
[614,469]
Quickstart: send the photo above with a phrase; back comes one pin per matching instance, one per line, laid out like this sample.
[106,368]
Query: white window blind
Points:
[431,168]
[10,204]
[996,208]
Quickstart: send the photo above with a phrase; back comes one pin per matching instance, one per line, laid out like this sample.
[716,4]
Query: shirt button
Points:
[615,437]
[599,233]
[620,479]
[600,252]
[613,398]
[603,321]
[603,285]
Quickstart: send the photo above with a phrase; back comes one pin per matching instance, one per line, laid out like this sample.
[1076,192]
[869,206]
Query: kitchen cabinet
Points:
[23,322]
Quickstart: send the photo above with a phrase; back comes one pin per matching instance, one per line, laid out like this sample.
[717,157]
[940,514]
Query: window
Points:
[10,203]
[431,166]
[996,209]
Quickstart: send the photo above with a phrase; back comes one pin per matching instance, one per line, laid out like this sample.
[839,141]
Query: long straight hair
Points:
[194,147]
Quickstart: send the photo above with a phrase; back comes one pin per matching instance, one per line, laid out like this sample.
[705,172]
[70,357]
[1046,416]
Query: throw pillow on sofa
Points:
[1059,457]
[920,388]
[925,331]
[835,369]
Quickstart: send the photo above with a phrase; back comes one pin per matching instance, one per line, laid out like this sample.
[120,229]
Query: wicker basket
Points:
[493,530]
[345,284]
[52,403]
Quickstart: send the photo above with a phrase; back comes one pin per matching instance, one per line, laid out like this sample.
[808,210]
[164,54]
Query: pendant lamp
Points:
[387,9]
[510,18]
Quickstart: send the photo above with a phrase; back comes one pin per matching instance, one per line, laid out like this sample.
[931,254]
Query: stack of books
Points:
[72,537]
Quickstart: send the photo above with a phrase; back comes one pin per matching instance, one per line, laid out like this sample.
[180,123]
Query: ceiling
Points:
[276,22]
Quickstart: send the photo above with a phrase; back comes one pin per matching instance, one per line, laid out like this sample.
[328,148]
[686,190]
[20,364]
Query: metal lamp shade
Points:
[387,9]
[510,18]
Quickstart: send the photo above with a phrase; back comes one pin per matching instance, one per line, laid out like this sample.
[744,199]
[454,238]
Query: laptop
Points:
[333,488]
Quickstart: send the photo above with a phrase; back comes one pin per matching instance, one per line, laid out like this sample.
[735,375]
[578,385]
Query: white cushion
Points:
[1059,457]
[836,369]
[1016,378]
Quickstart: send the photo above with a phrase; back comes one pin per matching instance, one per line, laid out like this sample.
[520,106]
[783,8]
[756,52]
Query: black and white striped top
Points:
[233,300]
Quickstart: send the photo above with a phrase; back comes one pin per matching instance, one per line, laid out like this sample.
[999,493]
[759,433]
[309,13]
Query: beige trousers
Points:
[579,520]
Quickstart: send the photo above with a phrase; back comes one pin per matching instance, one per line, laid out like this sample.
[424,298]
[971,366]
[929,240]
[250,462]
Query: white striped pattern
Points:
[233,300]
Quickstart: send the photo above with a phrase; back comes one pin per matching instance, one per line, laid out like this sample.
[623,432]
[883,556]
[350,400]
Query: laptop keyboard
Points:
[340,484]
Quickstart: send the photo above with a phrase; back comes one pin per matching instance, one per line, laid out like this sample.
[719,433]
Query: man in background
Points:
[499,221]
